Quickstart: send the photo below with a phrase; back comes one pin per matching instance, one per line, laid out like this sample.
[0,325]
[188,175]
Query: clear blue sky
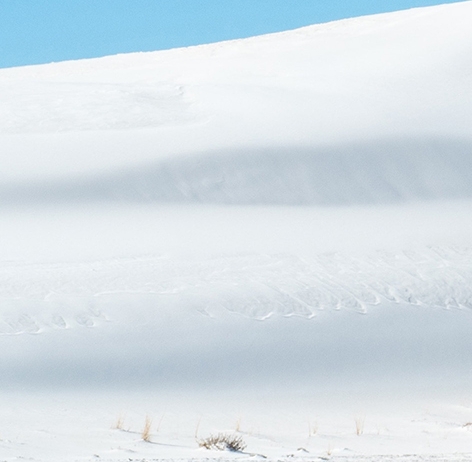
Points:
[41,31]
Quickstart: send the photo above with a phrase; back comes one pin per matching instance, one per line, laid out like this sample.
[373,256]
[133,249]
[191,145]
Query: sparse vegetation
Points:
[238,425]
[197,427]
[312,428]
[146,433]
[160,422]
[329,451]
[359,425]
[119,423]
[223,442]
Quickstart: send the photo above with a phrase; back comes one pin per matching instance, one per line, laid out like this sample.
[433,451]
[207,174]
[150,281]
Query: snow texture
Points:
[269,237]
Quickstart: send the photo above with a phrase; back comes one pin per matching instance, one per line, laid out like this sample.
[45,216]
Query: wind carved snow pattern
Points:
[253,286]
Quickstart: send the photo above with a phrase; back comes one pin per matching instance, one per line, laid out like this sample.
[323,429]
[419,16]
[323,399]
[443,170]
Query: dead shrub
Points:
[223,442]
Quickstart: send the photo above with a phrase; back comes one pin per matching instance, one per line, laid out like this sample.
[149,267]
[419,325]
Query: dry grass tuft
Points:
[359,425]
[120,421]
[238,425]
[312,428]
[223,442]
[146,433]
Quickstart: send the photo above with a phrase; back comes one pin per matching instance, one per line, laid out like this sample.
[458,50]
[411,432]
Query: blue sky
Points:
[42,31]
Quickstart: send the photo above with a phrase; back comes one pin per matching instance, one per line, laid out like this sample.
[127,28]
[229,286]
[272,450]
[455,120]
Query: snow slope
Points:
[270,236]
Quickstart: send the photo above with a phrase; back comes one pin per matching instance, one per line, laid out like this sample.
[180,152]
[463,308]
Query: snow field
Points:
[268,236]
[75,426]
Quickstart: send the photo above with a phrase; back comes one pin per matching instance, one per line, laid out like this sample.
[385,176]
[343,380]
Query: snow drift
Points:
[287,214]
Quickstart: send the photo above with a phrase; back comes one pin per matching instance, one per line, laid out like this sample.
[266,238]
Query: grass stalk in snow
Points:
[119,423]
[359,420]
[197,427]
[146,433]
[238,425]
[329,451]
[160,421]
[312,428]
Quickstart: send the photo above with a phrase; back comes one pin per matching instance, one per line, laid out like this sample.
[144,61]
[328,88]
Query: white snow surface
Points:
[270,237]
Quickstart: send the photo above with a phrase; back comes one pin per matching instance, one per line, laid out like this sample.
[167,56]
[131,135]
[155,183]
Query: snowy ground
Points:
[268,237]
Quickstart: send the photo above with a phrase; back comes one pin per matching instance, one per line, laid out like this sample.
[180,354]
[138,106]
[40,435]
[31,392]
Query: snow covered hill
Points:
[275,230]
[366,102]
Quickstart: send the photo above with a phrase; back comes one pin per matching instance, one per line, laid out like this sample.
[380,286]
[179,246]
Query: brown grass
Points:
[119,423]
[146,433]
